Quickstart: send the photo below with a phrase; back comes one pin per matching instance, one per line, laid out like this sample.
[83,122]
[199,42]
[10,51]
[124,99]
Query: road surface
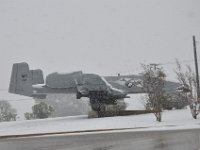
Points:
[157,140]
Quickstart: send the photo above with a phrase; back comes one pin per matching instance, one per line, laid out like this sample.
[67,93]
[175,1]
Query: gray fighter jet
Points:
[31,83]
[101,91]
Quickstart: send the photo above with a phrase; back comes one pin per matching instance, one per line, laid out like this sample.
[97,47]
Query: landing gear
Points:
[97,106]
[97,109]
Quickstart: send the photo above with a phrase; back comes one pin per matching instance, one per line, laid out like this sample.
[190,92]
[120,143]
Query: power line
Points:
[17,99]
[173,63]
[3,90]
[163,64]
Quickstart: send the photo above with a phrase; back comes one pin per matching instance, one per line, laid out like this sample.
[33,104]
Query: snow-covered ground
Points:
[171,120]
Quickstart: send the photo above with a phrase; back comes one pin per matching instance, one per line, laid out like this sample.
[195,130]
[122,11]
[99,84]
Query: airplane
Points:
[31,83]
[101,91]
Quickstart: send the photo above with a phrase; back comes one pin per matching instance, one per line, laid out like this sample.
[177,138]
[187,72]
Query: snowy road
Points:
[149,140]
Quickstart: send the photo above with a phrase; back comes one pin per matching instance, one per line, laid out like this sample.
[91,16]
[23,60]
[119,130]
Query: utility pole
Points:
[195,107]
[196,67]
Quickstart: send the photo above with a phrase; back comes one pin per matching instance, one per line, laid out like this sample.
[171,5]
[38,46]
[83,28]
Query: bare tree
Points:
[187,81]
[153,84]
[189,87]
[39,111]
[7,113]
[179,73]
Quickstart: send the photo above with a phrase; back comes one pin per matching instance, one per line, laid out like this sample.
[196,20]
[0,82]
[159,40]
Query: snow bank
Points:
[172,120]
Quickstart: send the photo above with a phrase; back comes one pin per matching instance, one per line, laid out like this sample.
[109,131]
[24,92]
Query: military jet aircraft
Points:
[101,91]
[31,83]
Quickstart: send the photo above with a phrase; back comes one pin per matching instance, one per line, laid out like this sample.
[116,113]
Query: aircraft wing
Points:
[133,84]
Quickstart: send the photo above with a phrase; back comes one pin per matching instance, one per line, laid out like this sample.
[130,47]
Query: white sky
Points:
[99,36]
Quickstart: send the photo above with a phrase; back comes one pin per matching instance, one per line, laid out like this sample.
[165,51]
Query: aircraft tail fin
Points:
[22,79]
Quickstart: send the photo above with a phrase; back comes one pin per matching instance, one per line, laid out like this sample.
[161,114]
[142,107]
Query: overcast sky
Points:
[96,36]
